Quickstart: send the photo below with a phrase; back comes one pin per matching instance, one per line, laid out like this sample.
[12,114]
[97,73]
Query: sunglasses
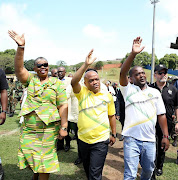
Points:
[160,73]
[40,65]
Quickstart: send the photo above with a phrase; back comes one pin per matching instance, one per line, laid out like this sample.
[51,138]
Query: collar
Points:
[166,85]
[137,87]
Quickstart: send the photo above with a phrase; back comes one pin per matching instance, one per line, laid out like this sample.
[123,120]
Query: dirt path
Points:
[7,133]
[114,165]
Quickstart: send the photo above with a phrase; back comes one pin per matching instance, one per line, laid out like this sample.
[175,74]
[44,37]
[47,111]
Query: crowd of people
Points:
[54,106]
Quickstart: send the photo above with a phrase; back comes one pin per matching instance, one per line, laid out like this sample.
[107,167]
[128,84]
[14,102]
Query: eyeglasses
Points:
[160,73]
[61,71]
[40,65]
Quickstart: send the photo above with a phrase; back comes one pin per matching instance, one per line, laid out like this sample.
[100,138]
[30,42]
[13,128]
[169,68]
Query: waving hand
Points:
[136,47]
[89,59]
[20,40]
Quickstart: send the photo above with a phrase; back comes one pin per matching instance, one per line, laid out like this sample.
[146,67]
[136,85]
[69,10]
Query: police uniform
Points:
[170,97]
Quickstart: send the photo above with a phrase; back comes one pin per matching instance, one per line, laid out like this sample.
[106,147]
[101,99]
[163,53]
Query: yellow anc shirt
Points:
[93,121]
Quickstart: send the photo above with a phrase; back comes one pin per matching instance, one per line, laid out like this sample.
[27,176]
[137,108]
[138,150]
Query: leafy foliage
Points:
[29,64]
[7,60]
[109,62]
[61,63]
[169,60]
[141,59]
[98,65]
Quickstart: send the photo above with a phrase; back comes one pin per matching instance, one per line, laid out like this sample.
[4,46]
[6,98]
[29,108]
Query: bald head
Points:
[54,72]
[61,72]
[92,82]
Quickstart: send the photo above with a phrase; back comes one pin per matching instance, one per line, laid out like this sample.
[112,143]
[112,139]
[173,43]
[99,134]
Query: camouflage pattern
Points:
[15,92]
[10,92]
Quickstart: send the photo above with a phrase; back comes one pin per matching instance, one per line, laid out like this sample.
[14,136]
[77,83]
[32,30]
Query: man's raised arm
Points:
[127,64]
[78,75]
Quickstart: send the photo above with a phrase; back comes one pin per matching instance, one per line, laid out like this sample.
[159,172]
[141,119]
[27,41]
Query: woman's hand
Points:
[20,40]
[62,134]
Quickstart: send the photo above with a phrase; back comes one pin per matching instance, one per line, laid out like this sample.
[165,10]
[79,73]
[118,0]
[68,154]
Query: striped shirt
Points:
[44,98]
[93,121]
[141,110]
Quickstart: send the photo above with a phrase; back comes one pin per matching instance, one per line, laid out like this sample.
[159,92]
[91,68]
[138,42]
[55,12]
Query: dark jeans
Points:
[93,157]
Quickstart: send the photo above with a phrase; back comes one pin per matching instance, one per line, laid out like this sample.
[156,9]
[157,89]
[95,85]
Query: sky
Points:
[68,29]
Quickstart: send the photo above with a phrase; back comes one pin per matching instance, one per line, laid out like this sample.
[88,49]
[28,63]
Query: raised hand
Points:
[20,40]
[136,47]
[89,59]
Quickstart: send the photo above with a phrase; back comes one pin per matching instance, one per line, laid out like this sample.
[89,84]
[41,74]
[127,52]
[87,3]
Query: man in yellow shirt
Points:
[96,117]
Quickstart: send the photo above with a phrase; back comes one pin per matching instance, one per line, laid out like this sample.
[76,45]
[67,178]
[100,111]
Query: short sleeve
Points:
[3,80]
[124,89]
[30,76]
[61,97]
[111,106]
[78,95]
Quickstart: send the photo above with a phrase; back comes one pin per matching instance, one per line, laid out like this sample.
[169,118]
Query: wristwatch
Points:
[113,135]
[64,128]
[167,137]
[4,111]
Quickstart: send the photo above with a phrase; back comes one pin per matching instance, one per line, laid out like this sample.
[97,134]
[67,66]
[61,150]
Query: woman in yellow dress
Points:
[45,115]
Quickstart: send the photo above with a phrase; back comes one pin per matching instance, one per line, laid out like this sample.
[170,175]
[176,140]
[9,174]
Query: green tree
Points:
[7,63]
[109,62]
[29,64]
[11,52]
[61,63]
[169,60]
[141,59]
[77,66]
[99,65]
[7,60]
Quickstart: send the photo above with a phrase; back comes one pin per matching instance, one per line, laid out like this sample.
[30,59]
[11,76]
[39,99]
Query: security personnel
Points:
[170,97]
[11,92]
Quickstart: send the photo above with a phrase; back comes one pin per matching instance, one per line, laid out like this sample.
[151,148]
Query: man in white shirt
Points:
[143,105]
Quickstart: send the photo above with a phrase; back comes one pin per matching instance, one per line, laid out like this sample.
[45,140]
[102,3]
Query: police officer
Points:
[170,97]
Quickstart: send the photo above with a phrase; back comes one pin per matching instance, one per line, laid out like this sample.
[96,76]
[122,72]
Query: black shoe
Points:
[60,148]
[67,147]
[78,161]
[74,138]
[159,172]
[121,138]
[174,143]
[11,114]
[1,172]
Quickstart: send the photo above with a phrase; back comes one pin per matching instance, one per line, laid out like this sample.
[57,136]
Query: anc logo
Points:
[104,103]
[150,95]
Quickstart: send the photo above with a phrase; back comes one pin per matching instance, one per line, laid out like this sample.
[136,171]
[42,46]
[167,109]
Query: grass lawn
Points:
[9,147]
[8,153]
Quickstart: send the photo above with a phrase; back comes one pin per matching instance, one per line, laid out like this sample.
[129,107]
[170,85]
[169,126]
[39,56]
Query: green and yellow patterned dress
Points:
[41,125]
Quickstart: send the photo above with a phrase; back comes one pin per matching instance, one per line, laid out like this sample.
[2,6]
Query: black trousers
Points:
[71,126]
[74,127]
[160,154]
[93,157]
